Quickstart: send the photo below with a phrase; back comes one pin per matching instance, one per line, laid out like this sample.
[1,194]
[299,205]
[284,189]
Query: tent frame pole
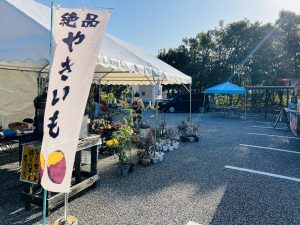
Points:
[245,106]
[191,103]
[156,120]
[189,89]
[203,105]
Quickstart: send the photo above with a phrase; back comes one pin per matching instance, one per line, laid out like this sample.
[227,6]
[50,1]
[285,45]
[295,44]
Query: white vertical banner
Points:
[78,35]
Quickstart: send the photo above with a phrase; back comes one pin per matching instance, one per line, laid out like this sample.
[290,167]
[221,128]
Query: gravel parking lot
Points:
[236,174]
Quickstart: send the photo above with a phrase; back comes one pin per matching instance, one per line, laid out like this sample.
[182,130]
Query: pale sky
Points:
[156,24]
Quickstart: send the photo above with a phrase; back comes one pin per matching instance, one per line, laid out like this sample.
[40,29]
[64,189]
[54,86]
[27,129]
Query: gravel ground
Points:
[191,184]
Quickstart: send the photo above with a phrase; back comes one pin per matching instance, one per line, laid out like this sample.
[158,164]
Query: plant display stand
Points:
[81,180]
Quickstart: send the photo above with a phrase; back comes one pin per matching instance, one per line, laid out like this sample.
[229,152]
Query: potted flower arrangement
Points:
[112,144]
[101,126]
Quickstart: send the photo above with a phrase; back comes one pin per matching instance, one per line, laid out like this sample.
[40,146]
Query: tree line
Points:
[243,52]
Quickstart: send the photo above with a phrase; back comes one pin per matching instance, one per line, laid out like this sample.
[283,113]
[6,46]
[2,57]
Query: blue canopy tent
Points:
[227,88]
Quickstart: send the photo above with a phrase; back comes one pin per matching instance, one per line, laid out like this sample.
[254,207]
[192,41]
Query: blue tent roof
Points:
[226,88]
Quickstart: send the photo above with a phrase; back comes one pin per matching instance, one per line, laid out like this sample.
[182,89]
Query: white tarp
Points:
[78,36]
[25,37]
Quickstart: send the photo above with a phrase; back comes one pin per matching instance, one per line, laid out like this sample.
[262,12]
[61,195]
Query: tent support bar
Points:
[39,79]
[112,71]
[185,87]
[149,80]
[22,70]
[105,75]
[44,68]
[154,79]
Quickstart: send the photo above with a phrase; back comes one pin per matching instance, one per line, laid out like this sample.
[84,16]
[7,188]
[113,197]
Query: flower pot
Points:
[145,162]
[159,155]
[171,148]
[165,148]
[131,168]
[155,160]
[125,170]
[175,145]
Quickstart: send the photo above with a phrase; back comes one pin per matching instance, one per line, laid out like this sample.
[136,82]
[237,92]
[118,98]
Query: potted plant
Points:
[182,127]
[165,146]
[150,145]
[112,144]
[144,157]
[147,154]
[159,155]
[175,143]
[188,131]
[124,147]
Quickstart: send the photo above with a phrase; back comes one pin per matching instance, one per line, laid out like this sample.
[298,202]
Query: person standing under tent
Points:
[137,106]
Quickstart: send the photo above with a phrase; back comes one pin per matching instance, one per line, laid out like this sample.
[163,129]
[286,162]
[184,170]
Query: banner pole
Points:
[50,63]
[66,207]
[44,207]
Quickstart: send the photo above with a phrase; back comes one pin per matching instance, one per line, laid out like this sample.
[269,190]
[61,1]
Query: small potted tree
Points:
[188,131]
[124,147]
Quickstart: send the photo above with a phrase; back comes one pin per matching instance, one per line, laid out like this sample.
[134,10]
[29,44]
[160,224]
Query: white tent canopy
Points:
[24,52]
[26,36]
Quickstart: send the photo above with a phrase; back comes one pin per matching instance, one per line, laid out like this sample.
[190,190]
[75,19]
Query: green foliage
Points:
[110,97]
[182,127]
[90,106]
[245,53]
[124,136]
[119,91]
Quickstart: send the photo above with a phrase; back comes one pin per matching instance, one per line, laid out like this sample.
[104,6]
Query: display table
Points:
[81,180]
[8,141]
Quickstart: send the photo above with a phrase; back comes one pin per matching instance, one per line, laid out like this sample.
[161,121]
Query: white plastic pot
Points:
[165,148]
[171,148]
[175,145]
[159,155]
